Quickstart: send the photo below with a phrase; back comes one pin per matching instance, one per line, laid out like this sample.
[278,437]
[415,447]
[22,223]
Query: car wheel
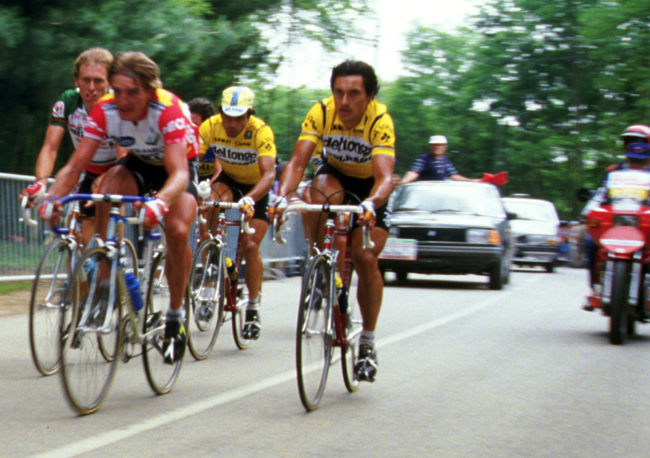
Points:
[401,275]
[496,275]
[550,267]
[505,276]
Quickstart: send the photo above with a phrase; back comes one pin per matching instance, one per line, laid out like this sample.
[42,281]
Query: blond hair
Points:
[138,66]
[92,56]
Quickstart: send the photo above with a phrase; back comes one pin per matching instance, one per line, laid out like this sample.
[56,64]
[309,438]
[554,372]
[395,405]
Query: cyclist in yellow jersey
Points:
[245,149]
[359,147]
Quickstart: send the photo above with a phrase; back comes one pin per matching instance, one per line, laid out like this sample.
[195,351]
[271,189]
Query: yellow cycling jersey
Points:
[239,156]
[350,150]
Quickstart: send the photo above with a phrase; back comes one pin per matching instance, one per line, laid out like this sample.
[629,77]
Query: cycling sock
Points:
[254,304]
[367,338]
[174,315]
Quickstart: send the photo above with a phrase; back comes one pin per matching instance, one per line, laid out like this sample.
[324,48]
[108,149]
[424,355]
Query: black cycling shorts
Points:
[239,190]
[85,186]
[152,178]
[359,187]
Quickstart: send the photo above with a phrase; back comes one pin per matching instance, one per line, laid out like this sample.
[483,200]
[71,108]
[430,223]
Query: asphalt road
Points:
[463,372]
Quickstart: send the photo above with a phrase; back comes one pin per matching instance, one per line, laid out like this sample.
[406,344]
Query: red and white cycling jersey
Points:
[164,124]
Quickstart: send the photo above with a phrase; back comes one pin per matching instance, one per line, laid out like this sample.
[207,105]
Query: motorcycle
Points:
[621,229]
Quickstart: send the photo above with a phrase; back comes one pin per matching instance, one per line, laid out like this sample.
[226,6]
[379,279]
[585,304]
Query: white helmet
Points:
[438,140]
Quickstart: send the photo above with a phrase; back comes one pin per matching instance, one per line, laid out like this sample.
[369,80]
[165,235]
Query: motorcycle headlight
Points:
[626,220]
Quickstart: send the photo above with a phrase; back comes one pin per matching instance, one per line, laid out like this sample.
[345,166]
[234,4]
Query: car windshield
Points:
[478,200]
[535,210]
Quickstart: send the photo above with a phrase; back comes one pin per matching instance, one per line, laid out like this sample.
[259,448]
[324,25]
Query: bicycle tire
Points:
[161,376]
[353,328]
[47,298]
[239,316]
[207,288]
[87,375]
[130,260]
[314,332]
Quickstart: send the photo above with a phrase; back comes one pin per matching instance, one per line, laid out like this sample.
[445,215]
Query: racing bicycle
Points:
[328,314]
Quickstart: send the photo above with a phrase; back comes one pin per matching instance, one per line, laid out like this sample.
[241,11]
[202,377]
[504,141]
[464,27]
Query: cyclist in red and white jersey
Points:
[148,121]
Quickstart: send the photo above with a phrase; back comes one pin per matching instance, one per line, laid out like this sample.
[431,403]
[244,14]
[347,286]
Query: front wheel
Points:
[496,276]
[207,298]
[618,306]
[314,333]
[48,291]
[94,316]
[160,375]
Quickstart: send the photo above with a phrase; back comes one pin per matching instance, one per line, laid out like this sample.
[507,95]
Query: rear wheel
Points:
[353,328]
[48,292]
[618,306]
[239,315]
[207,298]
[95,312]
[160,375]
[313,336]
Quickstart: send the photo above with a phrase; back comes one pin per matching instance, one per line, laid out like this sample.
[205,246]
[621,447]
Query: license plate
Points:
[400,249]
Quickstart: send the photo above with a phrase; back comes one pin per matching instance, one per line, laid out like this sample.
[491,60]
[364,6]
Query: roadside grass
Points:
[10,287]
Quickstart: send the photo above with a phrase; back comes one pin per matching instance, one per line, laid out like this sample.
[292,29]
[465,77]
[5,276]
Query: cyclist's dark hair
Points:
[357,67]
[202,107]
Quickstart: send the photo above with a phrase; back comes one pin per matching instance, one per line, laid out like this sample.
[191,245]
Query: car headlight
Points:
[542,239]
[393,231]
[483,236]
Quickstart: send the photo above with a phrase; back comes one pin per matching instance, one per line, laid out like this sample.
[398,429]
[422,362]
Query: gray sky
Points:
[310,65]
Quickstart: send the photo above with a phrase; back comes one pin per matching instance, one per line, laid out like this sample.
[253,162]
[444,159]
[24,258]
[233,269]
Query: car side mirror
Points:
[584,194]
[511,215]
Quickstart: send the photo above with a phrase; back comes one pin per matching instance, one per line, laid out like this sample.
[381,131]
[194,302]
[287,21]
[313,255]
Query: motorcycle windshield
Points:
[628,189]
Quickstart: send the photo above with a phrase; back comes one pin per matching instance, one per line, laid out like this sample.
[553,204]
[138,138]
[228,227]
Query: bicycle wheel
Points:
[129,262]
[239,315]
[48,291]
[353,328]
[313,336]
[207,293]
[95,310]
[161,376]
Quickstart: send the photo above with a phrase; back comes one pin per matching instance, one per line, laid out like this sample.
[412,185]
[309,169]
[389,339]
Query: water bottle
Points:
[89,269]
[133,285]
[342,294]
[232,270]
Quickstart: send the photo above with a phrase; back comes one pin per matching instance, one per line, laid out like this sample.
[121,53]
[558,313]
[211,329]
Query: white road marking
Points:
[110,437]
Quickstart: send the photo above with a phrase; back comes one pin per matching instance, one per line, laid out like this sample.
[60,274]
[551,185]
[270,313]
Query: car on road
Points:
[535,230]
[448,227]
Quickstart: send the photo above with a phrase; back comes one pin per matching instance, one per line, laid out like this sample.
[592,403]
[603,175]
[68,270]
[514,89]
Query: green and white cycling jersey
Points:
[69,112]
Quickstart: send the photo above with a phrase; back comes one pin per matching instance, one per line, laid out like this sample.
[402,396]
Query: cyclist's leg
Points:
[324,188]
[369,293]
[178,223]
[118,180]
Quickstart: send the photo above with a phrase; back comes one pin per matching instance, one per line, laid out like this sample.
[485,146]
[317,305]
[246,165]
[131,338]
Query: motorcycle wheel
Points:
[618,323]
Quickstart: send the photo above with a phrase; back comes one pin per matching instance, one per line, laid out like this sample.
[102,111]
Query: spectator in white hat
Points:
[434,165]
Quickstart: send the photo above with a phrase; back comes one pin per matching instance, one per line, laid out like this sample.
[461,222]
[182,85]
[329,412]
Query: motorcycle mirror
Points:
[584,194]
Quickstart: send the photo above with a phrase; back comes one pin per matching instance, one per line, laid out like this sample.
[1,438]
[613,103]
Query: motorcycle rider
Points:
[636,143]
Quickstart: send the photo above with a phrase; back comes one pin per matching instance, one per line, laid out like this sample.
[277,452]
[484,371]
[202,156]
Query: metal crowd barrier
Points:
[22,246]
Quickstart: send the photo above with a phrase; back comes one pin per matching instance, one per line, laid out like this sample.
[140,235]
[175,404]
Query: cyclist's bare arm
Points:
[267,169]
[409,177]
[47,156]
[178,173]
[382,170]
[295,169]
[68,176]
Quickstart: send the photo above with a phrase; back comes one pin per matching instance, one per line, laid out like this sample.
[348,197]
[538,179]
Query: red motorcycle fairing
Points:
[622,240]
